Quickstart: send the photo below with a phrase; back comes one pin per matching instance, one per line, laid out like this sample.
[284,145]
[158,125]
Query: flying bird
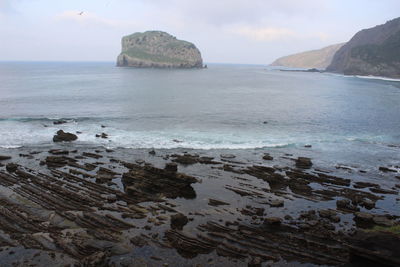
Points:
[80,13]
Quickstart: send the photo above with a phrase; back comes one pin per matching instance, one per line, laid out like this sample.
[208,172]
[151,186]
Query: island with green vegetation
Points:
[157,49]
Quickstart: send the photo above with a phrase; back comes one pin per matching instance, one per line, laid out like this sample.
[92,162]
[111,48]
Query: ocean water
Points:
[222,107]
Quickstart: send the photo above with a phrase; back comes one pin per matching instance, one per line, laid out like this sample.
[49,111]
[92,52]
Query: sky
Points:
[225,31]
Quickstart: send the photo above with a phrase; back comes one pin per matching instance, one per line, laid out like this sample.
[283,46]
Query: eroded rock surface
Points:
[156,49]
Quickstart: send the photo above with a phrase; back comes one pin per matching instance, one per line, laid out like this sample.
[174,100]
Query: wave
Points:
[17,132]
[378,78]
[381,78]
[53,119]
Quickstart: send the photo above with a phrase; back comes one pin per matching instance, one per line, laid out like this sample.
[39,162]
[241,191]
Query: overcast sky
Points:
[225,31]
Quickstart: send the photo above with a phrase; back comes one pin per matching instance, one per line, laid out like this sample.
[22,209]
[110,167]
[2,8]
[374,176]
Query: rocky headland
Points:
[374,51]
[156,49]
[315,59]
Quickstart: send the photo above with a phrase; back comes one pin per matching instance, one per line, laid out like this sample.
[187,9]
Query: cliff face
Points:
[374,51]
[155,49]
[319,59]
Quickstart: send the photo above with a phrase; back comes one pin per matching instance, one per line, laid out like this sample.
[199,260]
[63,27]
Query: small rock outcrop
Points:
[156,49]
[303,163]
[373,51]
[178,221]
[152,180]
[62,136]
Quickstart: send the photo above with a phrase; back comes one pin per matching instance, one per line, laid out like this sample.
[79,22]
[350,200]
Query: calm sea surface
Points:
[224,106]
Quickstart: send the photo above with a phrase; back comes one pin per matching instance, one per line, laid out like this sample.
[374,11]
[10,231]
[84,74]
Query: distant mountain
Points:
[156,49]
[319,59]
[374,51]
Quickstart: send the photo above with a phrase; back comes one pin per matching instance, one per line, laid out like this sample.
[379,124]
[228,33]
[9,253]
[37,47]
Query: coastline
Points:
[314,70]
[109,207]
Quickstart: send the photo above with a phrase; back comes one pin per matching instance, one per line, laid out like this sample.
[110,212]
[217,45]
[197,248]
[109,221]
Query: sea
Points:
[225,106]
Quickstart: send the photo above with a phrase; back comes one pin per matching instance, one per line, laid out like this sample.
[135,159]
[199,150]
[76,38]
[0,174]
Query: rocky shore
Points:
[70,205]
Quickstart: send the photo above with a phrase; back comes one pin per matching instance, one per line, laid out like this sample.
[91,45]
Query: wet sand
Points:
[72,205]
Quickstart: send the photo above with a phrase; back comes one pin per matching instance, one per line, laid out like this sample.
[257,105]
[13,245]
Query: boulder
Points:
[4,157]
[303,163]
[267,157]
[171,167]
[178,221]
[11,167]
[273,221]
[62,136]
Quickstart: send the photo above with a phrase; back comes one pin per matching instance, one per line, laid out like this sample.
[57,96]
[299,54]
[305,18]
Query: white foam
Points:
[377,78]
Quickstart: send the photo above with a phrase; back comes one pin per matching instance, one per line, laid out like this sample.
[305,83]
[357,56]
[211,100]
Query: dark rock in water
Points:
[383,191]
[26,156]
[363,217]
[308,146]
[368,204]
[152,152]
[62,136]
[178,221]
[102,135]
[58,152]
[171,167]
[227,156]
[151,180]
[59,122]
[139,241]
[103,126]
[177,141]
[265,122]
[277,203]
[386,169]
[314,70]
[11,167]
[273,221]
[188,159]
[185,159]
[5,157]
[56,162]
[91,155]
[346,205]
[105,174]
[267,157]
[215,202]
[303,163]
[375,248]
